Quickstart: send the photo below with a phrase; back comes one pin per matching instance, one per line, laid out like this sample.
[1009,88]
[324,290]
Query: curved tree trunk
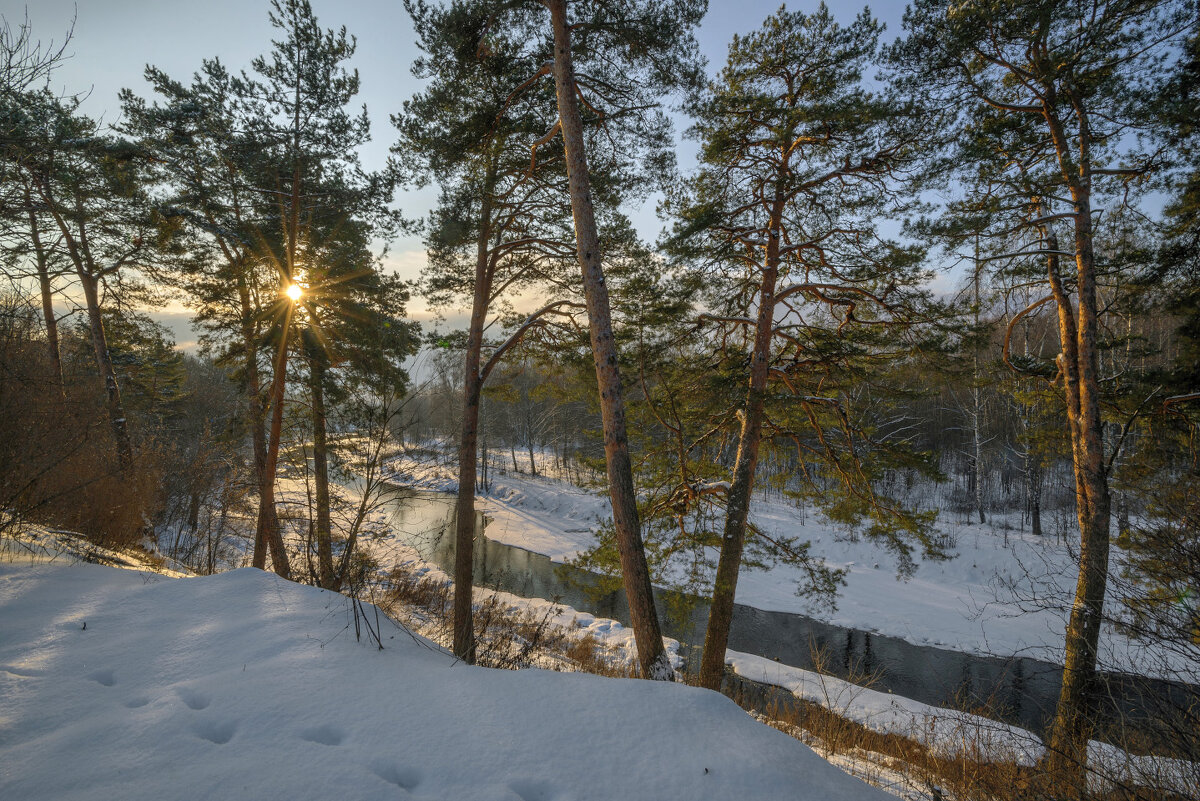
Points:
[85,269]
[651,654]
[42,257]
[116,409]
[1080,367]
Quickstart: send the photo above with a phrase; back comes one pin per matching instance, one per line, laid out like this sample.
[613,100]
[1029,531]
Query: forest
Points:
[916,283]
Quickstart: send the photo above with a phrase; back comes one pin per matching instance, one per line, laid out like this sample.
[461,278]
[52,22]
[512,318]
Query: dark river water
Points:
[1014,690]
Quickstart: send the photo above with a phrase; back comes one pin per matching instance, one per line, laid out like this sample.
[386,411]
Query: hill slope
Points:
[244,686]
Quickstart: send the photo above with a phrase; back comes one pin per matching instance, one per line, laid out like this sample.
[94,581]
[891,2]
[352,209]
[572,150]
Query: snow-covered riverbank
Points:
[1004,593]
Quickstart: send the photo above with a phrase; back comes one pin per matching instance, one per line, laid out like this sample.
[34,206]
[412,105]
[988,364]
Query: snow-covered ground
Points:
[125,684]
[951,732]
[984,600]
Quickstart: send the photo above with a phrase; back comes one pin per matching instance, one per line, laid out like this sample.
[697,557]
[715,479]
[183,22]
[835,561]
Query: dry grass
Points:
[506,637]
[908,765]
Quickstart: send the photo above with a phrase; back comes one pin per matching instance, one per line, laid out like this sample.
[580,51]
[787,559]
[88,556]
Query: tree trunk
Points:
[85,270]
[464,507]
[636,575]
[1080,368]
[268,520]
[324,531]
[1034,480]
[483,465]
[977,405]
[733,541]
[42,257]
[116,409]
[527,402]
[1033,467]
[256,414]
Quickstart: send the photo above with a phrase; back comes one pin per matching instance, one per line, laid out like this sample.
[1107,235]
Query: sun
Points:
[294,292]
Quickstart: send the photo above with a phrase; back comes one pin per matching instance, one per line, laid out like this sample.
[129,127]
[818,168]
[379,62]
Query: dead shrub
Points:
[506,636]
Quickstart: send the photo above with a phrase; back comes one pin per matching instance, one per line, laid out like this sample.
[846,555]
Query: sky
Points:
[114,40]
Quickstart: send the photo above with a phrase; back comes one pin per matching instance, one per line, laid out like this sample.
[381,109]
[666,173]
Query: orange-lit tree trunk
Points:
[268,519]
[325,576]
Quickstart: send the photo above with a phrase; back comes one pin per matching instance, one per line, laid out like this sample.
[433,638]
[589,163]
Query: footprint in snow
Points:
[323,735]
[215,731]
[535,790]
[104,677]
[195,699]
[404,778]
[137,702]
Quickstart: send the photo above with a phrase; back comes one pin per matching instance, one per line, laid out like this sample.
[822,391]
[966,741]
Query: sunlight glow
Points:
[294,292]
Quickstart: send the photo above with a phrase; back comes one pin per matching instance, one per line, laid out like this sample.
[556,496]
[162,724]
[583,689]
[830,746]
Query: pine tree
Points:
[498,229]
[798,159]
[1043,94]
[263,165]
[87,187]
[608,65]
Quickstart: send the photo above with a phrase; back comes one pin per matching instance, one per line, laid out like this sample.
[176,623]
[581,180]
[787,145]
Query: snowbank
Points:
[118,684]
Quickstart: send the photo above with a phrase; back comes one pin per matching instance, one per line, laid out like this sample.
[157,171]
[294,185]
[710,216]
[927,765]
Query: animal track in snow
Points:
[195,699]
[404,778]
[323,735]
[104,677]
[533,790]
[137,701]
[219,732]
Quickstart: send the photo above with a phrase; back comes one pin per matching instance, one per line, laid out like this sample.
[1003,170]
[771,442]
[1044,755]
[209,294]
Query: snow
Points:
[1003,593]
[946,731]
[127,684]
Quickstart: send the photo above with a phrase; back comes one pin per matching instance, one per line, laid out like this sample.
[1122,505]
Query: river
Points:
[1015,690]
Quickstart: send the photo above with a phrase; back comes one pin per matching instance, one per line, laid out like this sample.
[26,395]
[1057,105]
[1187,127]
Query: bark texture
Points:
[635,572]
[112,390]
[256,414]
[268,520]
[1079,367]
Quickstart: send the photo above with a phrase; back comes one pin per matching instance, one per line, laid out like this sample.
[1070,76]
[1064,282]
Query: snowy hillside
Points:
[121,684]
